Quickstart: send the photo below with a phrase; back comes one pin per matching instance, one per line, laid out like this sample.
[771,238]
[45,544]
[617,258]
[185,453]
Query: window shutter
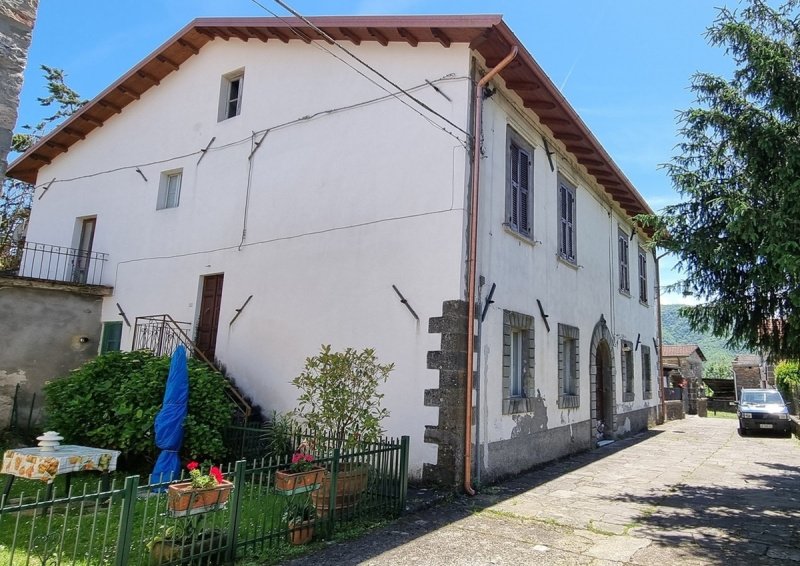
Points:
[524,189]
[112,337]
[515,159]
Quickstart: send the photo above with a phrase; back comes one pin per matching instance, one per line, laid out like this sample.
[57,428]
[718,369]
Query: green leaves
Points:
[339,395]
[736,229]
[112,401]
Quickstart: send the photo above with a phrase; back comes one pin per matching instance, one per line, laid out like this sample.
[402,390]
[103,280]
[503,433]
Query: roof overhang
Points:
[487,34]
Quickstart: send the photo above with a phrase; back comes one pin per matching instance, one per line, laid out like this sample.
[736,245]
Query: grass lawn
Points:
[721,415]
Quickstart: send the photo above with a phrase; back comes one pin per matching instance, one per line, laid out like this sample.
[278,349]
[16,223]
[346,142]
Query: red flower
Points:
[216,473]
[192,465]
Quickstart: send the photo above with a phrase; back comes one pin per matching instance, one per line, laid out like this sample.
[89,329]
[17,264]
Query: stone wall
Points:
[747,377]
[451,361]
[674,410]
[16,23]
[46,330]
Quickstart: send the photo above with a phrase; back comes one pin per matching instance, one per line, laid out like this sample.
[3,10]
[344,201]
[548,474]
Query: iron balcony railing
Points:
[161,334]
[47,262]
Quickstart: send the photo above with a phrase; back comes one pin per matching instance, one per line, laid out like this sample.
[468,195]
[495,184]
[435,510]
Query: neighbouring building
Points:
[255,189]
[16,24]
[687,359]
[751,371]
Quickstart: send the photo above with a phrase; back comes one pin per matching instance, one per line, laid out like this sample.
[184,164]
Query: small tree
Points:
[339,395]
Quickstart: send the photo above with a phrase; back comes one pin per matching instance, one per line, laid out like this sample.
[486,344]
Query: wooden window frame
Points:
[623,251]
[567,234]
[642,256]
[519,196]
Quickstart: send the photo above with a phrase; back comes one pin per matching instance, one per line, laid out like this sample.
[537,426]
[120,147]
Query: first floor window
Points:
[624,271]
[519,182]
[568,366]
[518,360]
[566,221]
[169,189]
[647,382]
[642,276]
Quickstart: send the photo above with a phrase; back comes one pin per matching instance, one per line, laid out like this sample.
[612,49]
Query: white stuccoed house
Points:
[242,159]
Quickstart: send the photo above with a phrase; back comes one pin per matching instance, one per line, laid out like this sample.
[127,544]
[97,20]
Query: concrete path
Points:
[688,492]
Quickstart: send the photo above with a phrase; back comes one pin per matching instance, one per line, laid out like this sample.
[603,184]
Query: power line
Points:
[306,118]
[328,38]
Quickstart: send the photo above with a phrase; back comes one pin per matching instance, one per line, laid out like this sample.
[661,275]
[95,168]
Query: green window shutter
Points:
[112,337]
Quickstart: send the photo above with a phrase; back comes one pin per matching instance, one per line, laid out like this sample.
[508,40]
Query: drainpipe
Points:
[473,264]
[660,343]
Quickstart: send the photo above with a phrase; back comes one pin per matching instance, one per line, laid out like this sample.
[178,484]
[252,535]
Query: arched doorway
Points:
[603,381]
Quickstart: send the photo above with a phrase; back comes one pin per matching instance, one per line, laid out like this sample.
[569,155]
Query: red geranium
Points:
[192,465]
[216,473]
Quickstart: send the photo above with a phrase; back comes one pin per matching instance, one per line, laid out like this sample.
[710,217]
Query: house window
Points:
[230,103]
[647,382]
[169,189]
[518,358]
[519,184]
[112,337]
[624,263]
[627,370]
[642,276]
[566,223]
[568,367]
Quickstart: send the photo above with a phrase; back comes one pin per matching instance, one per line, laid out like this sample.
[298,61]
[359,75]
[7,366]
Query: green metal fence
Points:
[131,523]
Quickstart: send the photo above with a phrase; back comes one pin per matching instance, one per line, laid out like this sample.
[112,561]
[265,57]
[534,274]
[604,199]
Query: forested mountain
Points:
[676,330]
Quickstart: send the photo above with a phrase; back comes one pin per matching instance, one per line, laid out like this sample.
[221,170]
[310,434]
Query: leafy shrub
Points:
[339,396]
[112,401]
[787,374]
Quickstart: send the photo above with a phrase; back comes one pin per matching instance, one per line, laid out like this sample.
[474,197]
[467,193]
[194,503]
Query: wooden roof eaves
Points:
[510,38]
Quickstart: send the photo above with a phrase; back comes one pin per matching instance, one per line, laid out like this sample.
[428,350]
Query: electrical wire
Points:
[307,39]
[306,118]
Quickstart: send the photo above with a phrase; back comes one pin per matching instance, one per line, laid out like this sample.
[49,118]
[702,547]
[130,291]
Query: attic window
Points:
[230,103]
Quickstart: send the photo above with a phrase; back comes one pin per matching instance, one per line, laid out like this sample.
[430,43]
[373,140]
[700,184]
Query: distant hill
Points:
[676,330]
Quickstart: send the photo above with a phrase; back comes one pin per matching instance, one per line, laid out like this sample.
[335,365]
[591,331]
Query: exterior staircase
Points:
[161,334]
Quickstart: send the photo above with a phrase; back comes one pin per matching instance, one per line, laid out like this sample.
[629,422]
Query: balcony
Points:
[46,262]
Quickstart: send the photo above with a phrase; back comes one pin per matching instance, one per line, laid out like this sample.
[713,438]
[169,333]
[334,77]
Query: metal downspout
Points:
[472,261]
[660,343]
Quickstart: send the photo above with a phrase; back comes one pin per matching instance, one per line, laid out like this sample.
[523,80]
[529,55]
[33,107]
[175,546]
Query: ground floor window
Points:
[518,362]
[568,366]
[112,337]
[647,381]
[627,370]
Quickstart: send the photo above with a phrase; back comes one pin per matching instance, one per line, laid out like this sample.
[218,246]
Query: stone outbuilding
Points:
[688,359]
[751,371]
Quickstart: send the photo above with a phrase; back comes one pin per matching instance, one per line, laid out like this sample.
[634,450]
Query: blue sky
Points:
[625,65]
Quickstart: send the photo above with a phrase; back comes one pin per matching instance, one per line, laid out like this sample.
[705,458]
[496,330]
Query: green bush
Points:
[112,402]
[787,374]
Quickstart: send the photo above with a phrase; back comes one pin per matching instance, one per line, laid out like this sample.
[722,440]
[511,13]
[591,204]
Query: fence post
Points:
[332,493]
[404,441]
[125,533]
[237,497]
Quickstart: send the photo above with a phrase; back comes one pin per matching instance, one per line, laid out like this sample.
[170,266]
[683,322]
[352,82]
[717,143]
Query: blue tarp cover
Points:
[169,421]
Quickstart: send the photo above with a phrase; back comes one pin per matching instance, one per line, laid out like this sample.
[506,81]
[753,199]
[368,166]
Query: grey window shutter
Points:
[524,191]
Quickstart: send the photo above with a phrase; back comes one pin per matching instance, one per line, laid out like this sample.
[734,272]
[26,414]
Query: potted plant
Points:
[339,401]
[203,492]
[300,517]
[302,474]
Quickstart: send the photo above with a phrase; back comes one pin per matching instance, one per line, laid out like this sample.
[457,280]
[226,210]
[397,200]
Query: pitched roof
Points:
[487,34]
[747,360]
[681,351]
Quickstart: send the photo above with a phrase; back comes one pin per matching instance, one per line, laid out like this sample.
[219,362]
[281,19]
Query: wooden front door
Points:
[209,315]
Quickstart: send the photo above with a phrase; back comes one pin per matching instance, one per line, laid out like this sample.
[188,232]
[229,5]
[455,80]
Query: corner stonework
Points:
[451,362]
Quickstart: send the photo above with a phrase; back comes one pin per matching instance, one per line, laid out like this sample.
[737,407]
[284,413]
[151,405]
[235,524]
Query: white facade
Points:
[349,193]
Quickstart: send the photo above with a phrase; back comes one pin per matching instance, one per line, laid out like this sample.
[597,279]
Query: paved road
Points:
[688,492]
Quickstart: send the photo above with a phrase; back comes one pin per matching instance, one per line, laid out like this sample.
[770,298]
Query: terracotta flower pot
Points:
[183,499]
[301,532]
[212,544]
[351,482]
[298,482]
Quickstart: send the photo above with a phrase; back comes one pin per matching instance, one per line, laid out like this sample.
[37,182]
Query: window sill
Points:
[518,235]
[567,262]
[517,405]
[569,401]
[644,303]
[625,293]
[627,397]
